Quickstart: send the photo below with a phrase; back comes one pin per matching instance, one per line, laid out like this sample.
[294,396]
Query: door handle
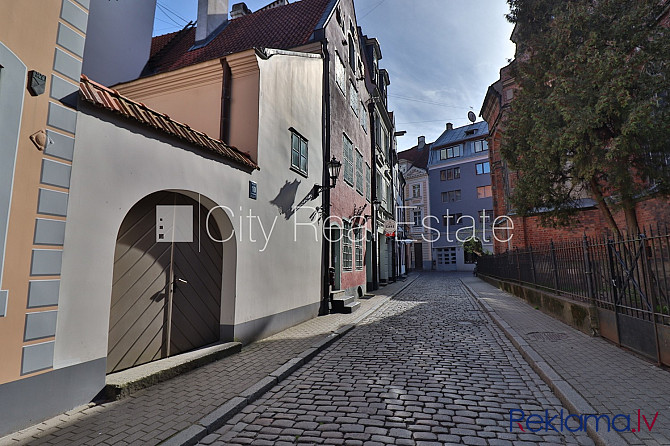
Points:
[177,281]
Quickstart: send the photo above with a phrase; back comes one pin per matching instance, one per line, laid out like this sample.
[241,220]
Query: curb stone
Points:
[217,418]
[568,396]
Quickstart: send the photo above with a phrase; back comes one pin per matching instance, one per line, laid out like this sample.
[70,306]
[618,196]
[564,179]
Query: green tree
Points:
[473,245]
[590,118]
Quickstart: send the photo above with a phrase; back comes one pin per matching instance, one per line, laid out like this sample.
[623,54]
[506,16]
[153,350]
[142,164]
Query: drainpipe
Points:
[373,196]
[225,102]
[325,260]
[394,240]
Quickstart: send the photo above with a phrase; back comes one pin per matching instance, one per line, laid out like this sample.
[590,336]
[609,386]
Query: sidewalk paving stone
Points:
[594,373]
[186,399]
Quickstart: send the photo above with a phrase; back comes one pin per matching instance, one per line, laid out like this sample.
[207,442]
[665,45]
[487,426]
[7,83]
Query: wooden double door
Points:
[166,296]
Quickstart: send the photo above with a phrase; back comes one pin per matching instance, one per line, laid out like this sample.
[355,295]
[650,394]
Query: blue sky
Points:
[441,54]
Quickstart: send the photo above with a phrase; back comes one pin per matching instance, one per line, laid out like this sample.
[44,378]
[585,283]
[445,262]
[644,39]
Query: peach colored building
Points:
[41,50]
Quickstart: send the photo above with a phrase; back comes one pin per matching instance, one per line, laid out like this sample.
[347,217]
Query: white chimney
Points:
[211,15]
[450,126]
[422,142]
[239,10]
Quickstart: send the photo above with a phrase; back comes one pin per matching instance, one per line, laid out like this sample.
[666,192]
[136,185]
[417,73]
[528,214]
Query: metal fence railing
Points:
[627,279]
[631,273]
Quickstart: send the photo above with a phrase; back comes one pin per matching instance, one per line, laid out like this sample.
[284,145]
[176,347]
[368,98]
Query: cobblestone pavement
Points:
[429,367]
[612,380]
[158,412]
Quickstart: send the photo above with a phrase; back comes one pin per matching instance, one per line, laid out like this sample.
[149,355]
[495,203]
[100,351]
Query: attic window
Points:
[471,132]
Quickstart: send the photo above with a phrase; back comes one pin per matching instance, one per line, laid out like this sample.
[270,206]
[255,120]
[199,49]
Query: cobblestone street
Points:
[427,368]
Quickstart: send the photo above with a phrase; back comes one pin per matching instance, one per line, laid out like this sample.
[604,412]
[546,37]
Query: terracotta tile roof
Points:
[111,100]
[418,158]
[282,27]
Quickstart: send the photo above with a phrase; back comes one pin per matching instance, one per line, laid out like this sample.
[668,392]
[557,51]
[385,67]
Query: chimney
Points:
[422,142]
[239,10]
[211,15]
[450,126]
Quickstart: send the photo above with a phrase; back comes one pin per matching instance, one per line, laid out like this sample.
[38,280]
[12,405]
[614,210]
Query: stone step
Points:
[350,308]
[341,302]
[337,294]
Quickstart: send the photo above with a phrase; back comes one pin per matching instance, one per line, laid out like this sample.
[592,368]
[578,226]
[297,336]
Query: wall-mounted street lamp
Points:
[334,167]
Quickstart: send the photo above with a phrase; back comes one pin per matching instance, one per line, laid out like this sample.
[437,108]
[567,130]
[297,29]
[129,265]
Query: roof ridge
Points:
[114,101]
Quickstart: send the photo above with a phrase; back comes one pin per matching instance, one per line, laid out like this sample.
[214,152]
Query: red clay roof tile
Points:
[282,27]
[111,100]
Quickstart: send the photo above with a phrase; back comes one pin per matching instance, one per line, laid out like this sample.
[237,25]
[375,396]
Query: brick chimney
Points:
[239,10]
[422,142]
[211,15]
[450,126]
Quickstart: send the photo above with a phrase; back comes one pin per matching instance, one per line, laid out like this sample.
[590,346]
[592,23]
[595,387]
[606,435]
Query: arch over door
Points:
[166,297]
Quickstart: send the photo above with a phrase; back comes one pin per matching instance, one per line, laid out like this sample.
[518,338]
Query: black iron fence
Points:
[626,278]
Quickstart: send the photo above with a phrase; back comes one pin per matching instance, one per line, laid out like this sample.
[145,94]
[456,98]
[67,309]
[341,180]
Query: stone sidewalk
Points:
[157,413]
[588,373]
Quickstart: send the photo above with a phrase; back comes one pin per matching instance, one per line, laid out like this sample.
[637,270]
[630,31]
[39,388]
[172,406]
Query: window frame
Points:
[348,161]
[358,248]
[484,189]
[485,168]
[301,139]
[359,174]
[347,254]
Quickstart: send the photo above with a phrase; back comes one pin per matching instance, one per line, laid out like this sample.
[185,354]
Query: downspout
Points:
[225,101]
[394,241]
[373,185]
[325,260]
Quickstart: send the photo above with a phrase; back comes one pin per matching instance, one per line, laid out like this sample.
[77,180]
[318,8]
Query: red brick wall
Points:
[528,230]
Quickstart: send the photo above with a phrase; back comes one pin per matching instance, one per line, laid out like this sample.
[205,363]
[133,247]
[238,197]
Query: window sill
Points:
[299,172]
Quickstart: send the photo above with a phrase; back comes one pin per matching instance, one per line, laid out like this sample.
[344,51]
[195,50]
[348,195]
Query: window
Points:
[360,175]
[480,146]
[452,219]
[446,256]
[340,74]
[451,152]
[389,197]
[358,234]
[338,16]
[417,218]
[386,142]
[364,117]
[450,174]
[348,160]
[353,97]
[368,185]
[484,192]
[452,195]
[483,168]
[378,130]
[346,247]
[298,153]
[352,51]
[488,214]
[416,191]
[379,185]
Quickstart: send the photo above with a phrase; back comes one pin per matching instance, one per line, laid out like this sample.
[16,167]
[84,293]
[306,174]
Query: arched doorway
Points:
[166,295]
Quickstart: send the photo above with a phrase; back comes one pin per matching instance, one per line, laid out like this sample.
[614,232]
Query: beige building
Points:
[413,165]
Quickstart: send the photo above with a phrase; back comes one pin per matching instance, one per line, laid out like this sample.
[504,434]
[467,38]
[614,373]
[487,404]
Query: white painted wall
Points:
[115,167]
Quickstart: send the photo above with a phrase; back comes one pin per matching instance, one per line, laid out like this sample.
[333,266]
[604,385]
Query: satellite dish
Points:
[472,117]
